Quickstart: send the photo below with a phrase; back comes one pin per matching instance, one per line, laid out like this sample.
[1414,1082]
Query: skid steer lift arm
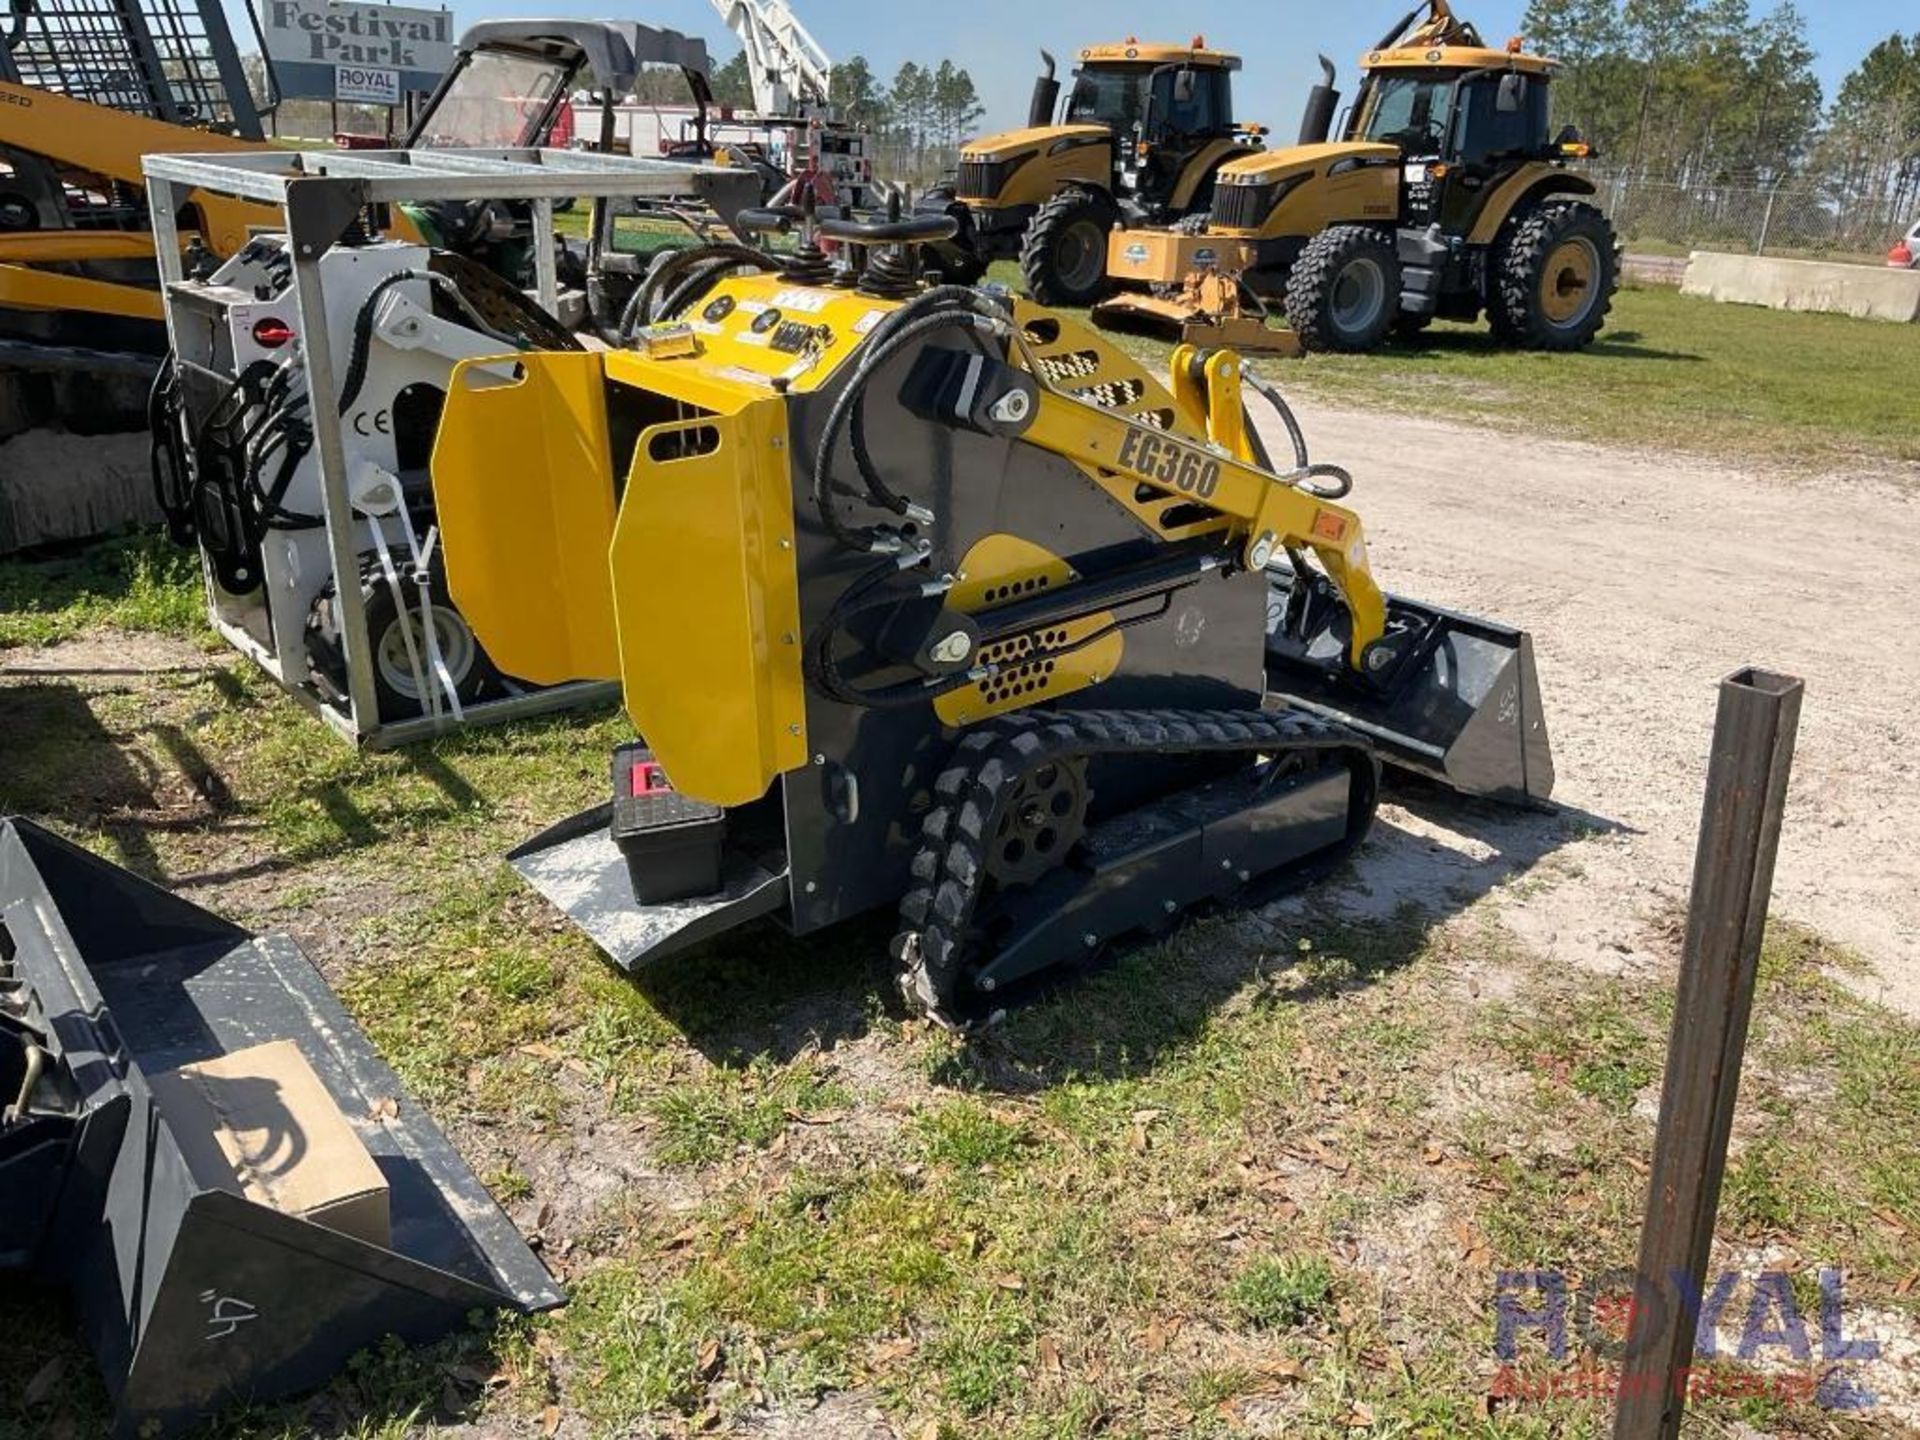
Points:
[1266,515]
[77,136]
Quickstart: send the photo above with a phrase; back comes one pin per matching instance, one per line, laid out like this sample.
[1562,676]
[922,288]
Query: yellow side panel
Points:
[1003,570]
[1499,205]
[29,289]
[1199,167]
[709,602]
[523,483]
[1370,191]
[1065,160]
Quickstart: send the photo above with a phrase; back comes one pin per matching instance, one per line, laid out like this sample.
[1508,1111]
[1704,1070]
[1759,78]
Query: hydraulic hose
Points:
[877,354]
[1304,469]
[363,326]
[641,303]
[172,483]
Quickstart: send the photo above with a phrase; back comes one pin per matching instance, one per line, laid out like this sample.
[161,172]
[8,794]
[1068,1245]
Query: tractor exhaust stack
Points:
[1323,102]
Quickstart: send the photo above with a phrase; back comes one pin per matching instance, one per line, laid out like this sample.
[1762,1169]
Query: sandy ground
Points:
[1645,579]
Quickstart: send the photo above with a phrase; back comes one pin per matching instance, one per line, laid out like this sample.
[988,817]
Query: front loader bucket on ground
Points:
[1462,707]
[195,1296]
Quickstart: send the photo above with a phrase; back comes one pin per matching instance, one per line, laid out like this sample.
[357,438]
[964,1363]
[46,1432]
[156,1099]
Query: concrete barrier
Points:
[1863,291]
[1654,269]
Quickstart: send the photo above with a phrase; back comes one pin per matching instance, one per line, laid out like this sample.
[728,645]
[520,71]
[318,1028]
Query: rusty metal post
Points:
[1752,754]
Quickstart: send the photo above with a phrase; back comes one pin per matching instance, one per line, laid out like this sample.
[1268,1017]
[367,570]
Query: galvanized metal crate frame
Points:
[318,194]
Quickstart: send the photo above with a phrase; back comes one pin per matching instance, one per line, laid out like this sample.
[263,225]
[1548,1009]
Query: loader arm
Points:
[77,135]
[1267,514]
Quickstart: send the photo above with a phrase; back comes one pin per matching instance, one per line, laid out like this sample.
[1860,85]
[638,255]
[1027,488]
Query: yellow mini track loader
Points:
[1446,197]
[1144,131]
[931,597]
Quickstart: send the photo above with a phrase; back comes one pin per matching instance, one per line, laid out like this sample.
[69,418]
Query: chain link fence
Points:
[1652,216]
[1785,219]
[905,163]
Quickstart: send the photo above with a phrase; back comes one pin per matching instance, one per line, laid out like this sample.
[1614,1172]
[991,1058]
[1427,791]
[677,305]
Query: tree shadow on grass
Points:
[134,780]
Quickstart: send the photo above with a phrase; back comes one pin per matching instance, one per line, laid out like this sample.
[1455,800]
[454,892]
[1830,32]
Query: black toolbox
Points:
[671,843]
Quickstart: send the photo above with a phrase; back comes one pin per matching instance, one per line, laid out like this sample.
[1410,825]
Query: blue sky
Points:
[996,40]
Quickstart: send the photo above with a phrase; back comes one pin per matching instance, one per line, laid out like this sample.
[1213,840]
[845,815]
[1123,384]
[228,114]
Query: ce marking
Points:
[368,423]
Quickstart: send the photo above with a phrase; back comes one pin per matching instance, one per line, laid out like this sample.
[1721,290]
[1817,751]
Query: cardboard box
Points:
[258,1123]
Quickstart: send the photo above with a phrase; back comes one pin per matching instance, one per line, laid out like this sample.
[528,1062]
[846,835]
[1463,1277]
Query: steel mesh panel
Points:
[170,60]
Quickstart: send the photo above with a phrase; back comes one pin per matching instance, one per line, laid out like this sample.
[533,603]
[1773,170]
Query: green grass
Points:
[139,583]
[710,1117]
[1283,1291]
[1264,1168]
[1670,371]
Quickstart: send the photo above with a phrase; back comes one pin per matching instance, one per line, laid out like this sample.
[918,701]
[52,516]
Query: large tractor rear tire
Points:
[1344,291]
[1554,278]
[1064,254]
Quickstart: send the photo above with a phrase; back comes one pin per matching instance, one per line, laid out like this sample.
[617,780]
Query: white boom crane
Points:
[790,72]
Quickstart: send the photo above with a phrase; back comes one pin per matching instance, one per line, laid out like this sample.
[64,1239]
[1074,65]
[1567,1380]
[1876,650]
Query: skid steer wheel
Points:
[395,688]
[1344,291]
[1555,277]
[1064,253]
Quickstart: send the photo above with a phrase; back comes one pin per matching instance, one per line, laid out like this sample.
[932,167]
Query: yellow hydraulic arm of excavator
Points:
[79,136]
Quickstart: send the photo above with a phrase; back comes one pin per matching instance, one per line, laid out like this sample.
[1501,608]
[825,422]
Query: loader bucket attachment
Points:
[195,1295]
[1461,707]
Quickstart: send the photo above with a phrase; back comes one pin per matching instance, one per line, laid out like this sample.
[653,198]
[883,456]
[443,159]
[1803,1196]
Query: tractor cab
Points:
[1463,119]
[1138,139]
[1163,106]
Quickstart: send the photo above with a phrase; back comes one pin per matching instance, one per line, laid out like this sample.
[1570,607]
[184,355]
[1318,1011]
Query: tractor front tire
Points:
[1344,291]
[1064,253]
[1555,276]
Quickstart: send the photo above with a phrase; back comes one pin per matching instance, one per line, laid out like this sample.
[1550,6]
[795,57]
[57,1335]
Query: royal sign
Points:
[313,44]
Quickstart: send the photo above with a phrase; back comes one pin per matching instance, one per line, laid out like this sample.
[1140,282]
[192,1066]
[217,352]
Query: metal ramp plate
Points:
[579,869]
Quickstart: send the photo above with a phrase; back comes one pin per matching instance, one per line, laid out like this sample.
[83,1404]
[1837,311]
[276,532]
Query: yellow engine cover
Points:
[670,564]
[707,597]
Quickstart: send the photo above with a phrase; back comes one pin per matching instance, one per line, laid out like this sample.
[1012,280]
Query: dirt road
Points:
[1644,579]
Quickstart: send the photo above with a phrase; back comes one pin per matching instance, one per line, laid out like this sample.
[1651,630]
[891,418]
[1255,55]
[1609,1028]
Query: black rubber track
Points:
[949,873]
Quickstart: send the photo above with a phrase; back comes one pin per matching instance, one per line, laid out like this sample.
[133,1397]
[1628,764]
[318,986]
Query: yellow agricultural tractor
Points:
[1447,196]
[1145,130]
